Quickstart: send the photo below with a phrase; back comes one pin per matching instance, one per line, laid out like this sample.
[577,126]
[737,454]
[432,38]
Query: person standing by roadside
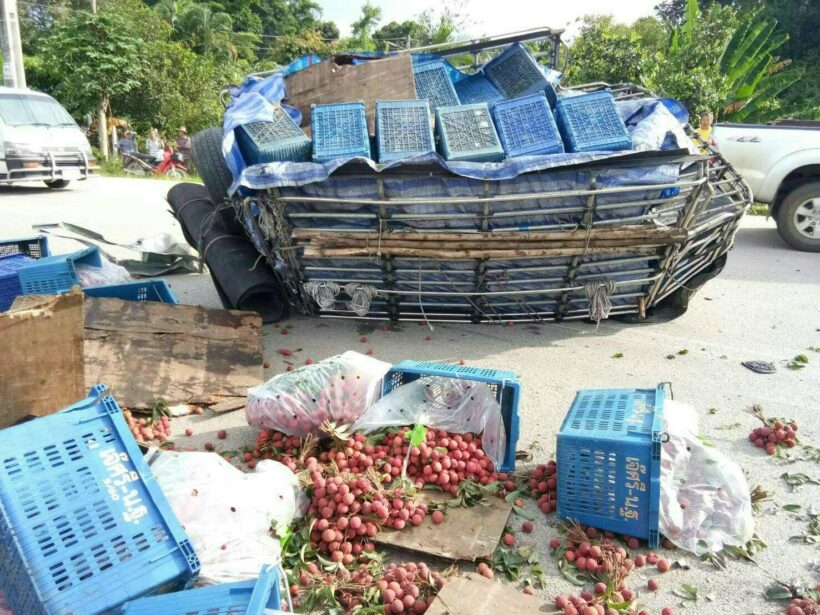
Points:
[184,146]
[154,145]
[704,129]
[127,144]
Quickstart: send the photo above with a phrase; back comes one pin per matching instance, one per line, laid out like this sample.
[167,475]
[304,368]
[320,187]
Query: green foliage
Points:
[92,57]
[611,52]
[364,26]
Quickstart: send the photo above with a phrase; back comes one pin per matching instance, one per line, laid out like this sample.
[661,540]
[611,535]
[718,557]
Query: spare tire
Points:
[207,154]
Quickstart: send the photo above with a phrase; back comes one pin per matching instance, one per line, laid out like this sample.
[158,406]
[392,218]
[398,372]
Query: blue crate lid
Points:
[503,383]
[433,84]
[141,290]
[602,434]
[526,126]
[243,598]
[467,133]
[84,526]
[403,129]
[591,123]
[339,131]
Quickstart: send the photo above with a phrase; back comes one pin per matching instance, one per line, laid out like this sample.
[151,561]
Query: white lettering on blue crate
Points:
[118,485]
[639,411]
[635,472]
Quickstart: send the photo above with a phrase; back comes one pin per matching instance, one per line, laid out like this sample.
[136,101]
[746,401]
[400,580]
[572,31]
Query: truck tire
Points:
[207,154]
[798,217]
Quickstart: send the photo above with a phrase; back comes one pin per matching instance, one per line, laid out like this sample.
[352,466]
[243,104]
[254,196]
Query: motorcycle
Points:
[172,164]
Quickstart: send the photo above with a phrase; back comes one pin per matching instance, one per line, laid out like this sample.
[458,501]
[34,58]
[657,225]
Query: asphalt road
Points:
[765,305]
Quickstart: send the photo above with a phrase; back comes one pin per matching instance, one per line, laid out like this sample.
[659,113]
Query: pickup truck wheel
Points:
[58,183]
[207,154]
[798,218]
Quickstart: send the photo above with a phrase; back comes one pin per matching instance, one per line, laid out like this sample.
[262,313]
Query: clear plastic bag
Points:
[451,404]
[109,273]
[705,501]
[227,514]
[338,389]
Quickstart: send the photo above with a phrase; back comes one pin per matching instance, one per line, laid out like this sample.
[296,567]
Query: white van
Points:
[40,141]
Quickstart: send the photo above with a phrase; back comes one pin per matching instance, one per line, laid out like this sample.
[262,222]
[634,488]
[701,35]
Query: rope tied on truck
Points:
[360,297]
[600,304]
[323,293]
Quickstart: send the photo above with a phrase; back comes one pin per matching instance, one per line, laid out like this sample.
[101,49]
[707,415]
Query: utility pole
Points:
[13,73]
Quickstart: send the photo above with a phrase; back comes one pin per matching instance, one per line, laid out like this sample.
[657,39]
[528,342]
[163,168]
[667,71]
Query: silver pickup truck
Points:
[781,164]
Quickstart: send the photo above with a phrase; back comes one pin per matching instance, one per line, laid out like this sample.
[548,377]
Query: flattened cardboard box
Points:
[57,347]
[328,82]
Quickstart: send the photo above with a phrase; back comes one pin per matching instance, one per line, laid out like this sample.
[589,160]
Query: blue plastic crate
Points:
[243,598]
[516,73]
[433,85]
[526,126]
[33,247]
[141,290]
[56,274]
[609,461]
[403,129]
[339,131]
[503,384]
[591,123]
[84,527]
[277,140]
[467,133]
[477,88]
[9,278]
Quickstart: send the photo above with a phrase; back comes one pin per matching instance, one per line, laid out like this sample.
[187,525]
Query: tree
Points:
[406,34]
[206,32]
[329,31]
[94,57]
[605,51]
[754,75]
[688,68]
[363,27]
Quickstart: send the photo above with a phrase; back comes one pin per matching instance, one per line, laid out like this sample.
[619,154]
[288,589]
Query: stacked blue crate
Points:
[477,88]
[526,126]
[466,133]
[278,140]
[433,85]
[339,131]
[591,123]
[9,279]
[403,129]
[516,73]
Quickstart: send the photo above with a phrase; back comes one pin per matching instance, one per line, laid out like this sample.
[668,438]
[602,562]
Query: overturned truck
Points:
[568,236]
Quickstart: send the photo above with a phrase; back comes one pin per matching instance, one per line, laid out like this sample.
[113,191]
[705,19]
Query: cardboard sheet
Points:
[41,365]
[56,347]
[467,533]
[181,353]
[328,82]
[472,594]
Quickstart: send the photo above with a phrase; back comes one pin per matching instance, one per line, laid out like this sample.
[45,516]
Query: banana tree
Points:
[755,75]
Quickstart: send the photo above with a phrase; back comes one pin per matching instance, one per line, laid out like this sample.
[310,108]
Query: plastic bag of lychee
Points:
[450,404]
[338,389]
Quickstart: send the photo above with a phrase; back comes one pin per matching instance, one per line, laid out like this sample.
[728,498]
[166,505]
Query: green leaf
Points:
[683,351]
[791,507]
[417,435]
[687,592]
[778,592]
[618,355]
[512,496]
[523,513]
[571,574]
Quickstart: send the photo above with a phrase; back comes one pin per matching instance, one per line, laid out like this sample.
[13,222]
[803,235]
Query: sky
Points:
[485,17]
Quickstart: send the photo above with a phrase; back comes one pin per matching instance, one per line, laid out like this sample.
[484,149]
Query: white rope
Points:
[360,297]
[323,293]
[598,294]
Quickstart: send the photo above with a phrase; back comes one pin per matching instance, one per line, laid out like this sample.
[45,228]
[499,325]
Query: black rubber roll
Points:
[241,276]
